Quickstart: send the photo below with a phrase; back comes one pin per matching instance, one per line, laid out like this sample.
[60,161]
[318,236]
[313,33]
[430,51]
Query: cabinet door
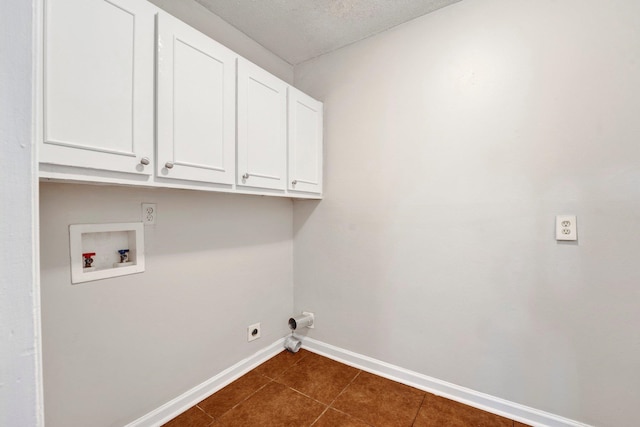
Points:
[262,126]
[196,105]
[305,142]
[98,84]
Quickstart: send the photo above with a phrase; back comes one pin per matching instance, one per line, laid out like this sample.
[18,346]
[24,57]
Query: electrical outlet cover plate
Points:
[250,335]
[566,227]
[149,212]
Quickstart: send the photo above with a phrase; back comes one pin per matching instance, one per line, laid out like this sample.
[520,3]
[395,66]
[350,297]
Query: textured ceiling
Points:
[297,30]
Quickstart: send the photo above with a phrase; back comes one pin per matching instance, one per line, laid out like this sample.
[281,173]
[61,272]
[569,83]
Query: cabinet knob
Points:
[245,176]
[294,182]
[168,165]
[144,161]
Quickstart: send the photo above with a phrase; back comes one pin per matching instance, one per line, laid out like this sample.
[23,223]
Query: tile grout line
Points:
[251,394]
[287,368]
[319,416]
[247,398]
[331,403]
[301,393]
[308,397]
[346,387]
[366,422]
[334,399]
[352,416]
[327,407]
[242,401]
[197,405]
[340,394]
[211,421]
[424,397]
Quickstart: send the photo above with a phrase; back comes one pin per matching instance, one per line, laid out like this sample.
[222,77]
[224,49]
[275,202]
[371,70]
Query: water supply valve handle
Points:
[88,259]
[124,255]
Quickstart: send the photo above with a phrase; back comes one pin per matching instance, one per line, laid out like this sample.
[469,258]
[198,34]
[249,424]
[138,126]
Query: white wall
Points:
[20,366]
[205,21]
[116,349]
[451,144]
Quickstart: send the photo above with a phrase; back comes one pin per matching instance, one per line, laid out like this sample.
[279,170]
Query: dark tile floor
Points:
[305,389]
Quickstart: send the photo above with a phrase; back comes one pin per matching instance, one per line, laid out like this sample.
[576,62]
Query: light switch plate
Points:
[566,227]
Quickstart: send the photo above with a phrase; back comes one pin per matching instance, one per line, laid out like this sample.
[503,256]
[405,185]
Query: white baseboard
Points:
[186,400]
[438,387]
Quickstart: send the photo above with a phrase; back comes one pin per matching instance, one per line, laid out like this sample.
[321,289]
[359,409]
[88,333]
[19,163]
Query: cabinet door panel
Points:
[196,105]
[305,143]
[262,123]
[97,86]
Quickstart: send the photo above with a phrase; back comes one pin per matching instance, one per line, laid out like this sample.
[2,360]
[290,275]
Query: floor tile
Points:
[266,397]
[274,405]
[438,411]
[380,402]
[318,377]
[193,417]
[333,418]
[228,397]
[279,363]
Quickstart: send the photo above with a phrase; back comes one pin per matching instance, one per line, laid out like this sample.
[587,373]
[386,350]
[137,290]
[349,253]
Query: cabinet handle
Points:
[294,182]
[245,176]
[144,161]
[168,165]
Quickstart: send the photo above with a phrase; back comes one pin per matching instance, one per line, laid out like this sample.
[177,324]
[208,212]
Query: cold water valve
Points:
[124,258]
[124,255]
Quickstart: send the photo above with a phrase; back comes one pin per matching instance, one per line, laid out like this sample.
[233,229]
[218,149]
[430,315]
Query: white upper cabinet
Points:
[98,67]
[131,95]
[196,105]
[262,128]
[305,143]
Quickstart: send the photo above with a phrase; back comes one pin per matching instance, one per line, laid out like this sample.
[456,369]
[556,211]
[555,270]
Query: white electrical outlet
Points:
[566,227]
[149,212]
[253,332]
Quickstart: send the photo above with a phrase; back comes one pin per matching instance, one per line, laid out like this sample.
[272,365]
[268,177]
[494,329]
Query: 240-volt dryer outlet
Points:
[253,332]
